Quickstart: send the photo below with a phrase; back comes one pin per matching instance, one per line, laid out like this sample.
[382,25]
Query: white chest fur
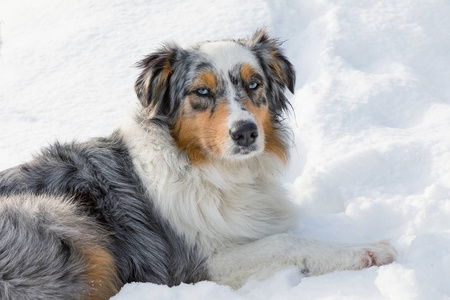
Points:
[216,206]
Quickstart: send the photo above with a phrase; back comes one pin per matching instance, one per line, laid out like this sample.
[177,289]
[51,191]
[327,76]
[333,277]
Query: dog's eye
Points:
[253,85]
[203,92]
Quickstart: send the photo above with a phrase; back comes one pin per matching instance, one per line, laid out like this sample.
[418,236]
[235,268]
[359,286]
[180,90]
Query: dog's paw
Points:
[378,254]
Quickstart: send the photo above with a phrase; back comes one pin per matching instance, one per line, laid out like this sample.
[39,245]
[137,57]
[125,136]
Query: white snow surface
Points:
[371,118]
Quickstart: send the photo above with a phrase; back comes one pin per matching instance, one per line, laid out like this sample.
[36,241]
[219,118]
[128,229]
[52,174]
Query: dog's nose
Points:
[244,133]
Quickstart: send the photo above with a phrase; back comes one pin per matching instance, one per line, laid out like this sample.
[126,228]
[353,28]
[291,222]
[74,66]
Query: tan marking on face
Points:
[101,274]
[272,143]
[207,78]
[202,134]
[261,113]
[247,71]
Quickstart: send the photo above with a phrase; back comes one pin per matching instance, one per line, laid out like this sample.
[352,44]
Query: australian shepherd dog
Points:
[186,190]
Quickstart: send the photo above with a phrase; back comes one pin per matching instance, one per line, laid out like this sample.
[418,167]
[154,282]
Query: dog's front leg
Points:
[235,265]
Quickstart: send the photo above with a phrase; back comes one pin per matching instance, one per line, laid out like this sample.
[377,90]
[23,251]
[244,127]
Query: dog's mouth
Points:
[239,150]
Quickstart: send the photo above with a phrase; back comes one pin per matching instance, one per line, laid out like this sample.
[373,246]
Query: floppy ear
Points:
[153,84]
[269,50]
[279,71]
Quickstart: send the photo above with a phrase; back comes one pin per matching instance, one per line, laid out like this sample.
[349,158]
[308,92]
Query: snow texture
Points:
[371,118]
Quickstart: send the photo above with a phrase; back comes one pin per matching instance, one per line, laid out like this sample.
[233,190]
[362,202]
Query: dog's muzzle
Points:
[244,135]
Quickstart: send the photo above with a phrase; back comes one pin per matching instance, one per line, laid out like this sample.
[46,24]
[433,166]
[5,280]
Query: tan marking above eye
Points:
[273,144]
[247,72]
[206,79]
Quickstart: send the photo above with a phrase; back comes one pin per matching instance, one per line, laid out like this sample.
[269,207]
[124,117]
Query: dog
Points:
[186,190]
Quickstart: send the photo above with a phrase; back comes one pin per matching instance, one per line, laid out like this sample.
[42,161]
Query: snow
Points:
[371,118]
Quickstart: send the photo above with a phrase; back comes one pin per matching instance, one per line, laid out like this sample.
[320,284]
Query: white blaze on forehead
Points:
[226,55]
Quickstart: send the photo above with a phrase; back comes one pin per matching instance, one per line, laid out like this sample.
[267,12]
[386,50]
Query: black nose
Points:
[244,133]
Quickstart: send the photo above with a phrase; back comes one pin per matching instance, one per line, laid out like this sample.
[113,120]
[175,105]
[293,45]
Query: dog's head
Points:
[220,100]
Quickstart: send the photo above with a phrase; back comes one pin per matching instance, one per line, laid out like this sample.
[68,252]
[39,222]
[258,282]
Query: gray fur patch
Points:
[41,240]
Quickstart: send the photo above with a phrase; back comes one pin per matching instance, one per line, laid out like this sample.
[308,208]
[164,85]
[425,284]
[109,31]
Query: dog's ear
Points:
[279,71]
[153,84]
[269,51]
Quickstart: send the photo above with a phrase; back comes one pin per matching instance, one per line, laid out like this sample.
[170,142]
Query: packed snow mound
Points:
[371,118]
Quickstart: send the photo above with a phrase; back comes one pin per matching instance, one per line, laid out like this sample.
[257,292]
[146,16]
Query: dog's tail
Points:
[49,251]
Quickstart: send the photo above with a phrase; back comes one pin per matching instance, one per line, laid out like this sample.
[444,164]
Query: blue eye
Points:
[203,92]
[253,85]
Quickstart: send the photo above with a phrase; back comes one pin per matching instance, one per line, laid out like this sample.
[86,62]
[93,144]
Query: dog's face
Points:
[220,100]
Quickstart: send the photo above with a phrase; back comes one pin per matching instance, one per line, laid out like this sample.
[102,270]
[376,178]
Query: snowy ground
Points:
[371,121]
